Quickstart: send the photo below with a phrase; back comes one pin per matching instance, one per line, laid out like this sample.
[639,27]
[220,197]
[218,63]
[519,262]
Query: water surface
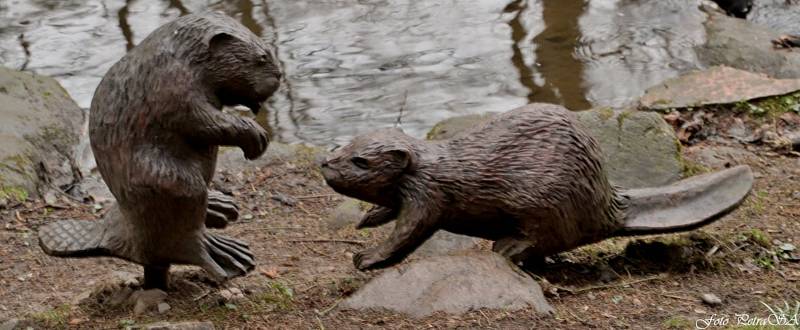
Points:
[354,65]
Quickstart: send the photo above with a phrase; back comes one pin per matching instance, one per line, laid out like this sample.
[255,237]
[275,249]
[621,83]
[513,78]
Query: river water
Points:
[354,65]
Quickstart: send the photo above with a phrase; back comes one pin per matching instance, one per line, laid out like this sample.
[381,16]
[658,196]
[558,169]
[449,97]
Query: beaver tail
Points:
[684,205]
[72,238]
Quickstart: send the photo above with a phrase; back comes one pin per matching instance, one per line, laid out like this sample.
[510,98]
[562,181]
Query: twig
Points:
[316,196]
[347,241]
[678,297]
[201,296]
[321,326]
[402,107]
[329,308]
[608,286]
[580,319]
[315,251]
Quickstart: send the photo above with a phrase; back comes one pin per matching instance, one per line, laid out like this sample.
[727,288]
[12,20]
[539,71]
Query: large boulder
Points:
[40,126]
[716,85]
[639,148]
[743,45]
[451,284]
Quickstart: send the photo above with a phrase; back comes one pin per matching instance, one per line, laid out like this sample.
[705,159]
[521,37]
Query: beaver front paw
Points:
[255,140]
[369,259]
[221,210]
[226,257]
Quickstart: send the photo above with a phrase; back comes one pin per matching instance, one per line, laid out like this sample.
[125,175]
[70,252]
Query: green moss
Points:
[13,193]
[277,296]
[434,132]
[691,168]
[55,318]
[677,322]
[769,107]
[759,237]
[605,113]
[622,116]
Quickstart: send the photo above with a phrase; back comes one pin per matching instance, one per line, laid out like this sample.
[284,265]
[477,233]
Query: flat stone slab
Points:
[451,284]
[717,85]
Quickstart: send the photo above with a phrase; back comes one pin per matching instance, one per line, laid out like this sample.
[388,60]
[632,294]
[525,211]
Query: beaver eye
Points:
[362,163]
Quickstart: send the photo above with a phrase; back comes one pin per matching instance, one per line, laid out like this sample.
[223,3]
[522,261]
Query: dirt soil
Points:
[304,269]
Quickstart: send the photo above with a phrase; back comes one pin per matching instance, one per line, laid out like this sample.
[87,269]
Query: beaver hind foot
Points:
[686,204]
[226,257]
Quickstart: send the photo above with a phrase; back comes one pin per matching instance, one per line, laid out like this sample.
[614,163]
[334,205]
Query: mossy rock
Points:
[40,127]
[640,148]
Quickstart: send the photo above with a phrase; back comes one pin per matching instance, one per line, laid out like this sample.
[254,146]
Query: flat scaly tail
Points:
[79,238]
[73,238]
[686,204]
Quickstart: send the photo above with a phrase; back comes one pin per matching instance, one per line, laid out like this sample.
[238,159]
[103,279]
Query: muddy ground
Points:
[304,269]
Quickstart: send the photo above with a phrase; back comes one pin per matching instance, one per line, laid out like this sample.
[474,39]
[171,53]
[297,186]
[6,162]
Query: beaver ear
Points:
[220,41]
[405,157]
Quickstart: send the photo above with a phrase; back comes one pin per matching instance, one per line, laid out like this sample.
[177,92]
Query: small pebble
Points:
[163,307]
[711,299]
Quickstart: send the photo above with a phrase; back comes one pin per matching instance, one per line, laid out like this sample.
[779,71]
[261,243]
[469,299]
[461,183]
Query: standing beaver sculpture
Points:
[531,180]
[155,125]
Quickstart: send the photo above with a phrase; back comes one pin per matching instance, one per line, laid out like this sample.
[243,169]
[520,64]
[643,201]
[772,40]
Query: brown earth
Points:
[304,269]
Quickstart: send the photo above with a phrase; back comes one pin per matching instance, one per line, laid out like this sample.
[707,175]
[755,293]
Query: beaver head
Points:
[372,166]
[240,70]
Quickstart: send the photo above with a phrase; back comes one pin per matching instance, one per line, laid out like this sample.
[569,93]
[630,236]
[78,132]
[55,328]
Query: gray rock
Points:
[717,85]
[40,127]
[9,324]
[450,127]
[189,325]
[232,159]
[640,148]
[743,45]
[231,294]
[711,299]
[444,242]
[145,300]
[452,284]
[718,156]
[347,214]
[163,308]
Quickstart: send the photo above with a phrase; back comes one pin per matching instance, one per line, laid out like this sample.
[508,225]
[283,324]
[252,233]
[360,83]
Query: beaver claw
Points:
[221,210]
[369,259]
[226,257]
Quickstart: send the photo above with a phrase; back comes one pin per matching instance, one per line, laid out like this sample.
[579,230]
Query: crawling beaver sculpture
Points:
[530,179]
[155,126]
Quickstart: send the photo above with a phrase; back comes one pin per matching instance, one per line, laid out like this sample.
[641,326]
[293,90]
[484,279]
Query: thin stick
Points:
[316,196]
[347,241]
[580,319]
[315,251]
[678,297]
[330,308]
[402,107]
[608,286]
